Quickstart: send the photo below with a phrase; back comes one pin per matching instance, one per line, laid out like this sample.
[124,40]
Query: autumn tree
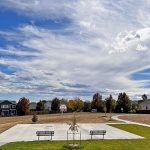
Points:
[71,105]
[110,104]
[97,102]
[79,104]
[23,106]
[55,105]
[123,103]
[75,105]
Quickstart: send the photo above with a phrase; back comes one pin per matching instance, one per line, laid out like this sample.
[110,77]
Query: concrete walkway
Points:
[128,122]
[27,132]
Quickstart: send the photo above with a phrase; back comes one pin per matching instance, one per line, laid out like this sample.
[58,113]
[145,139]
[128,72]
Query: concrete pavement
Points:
[129,122]
[27,132]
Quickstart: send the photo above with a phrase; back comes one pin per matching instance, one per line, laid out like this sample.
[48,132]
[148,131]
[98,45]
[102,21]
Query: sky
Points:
[74,48]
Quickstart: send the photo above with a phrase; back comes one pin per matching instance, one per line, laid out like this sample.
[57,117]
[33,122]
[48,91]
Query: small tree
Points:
[105,110]
[110,105]
[34,118]
[74,127]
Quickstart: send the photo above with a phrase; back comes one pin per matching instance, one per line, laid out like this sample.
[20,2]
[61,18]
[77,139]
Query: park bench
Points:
[45,133]
[97,132]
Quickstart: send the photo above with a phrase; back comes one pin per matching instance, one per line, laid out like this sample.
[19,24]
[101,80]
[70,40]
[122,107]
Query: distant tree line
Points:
[123,104]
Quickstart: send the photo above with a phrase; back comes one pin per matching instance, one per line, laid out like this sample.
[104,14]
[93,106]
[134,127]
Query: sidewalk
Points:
[129,122]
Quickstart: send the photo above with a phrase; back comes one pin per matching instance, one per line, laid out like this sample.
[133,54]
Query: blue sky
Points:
[74,48]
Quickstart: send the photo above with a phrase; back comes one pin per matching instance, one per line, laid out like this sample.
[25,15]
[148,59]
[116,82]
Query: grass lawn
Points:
[141,144]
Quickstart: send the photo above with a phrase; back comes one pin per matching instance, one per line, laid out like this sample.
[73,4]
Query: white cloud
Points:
[141,47]
[107,43]
[132,40]
[39,8]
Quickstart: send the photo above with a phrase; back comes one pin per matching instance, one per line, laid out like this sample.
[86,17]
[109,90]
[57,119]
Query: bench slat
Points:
[45,133]
[97,132]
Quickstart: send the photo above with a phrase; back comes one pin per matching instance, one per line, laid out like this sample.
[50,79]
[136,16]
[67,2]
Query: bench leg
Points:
[103,136]
[51,137]
[38,138]
[91,136]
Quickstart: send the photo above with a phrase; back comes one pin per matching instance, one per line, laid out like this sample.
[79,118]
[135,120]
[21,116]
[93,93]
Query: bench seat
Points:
[45,133]
[97,132]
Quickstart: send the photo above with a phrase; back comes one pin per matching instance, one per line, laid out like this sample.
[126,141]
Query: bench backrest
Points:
[98,132]
[45,133]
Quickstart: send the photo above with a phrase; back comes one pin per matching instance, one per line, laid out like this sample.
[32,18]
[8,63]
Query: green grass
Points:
[140,144]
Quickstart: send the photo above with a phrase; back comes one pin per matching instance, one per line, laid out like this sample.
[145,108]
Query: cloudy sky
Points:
[74,48]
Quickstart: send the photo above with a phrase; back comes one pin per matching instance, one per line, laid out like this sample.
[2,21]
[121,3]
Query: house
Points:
[47,105]
[8,108]
[32,106]
[144,104]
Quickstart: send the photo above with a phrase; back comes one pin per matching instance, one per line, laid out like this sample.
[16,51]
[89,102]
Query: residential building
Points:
[8,108]
[144,104]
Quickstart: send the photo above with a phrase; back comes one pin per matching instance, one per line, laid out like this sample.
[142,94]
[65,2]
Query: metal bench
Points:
[45,133]
[97,132]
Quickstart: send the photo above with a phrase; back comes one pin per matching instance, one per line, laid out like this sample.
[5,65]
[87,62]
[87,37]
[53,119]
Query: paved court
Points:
[27,132]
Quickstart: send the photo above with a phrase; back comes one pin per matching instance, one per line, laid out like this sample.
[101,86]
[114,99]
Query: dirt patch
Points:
[7,122]
[141,118]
